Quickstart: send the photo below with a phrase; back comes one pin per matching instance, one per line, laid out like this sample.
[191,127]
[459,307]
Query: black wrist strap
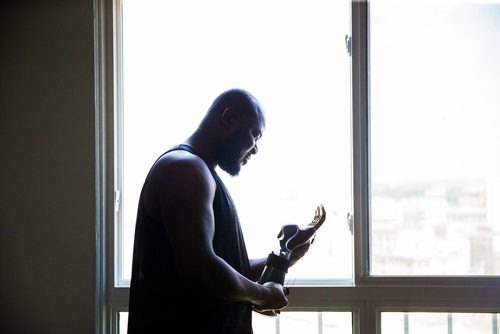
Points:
[278,262]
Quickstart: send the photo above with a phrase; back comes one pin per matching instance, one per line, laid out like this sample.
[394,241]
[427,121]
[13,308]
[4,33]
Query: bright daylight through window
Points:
[435,155]
[176,60]
[386,111]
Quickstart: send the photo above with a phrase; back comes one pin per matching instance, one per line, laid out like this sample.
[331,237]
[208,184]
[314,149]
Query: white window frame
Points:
[366,297]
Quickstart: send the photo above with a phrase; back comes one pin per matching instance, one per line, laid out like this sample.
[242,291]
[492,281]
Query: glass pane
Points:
[475,323]
[304,322]
[287,322]
[435,158]
[179,55]
[122,322]
[439,323]
[336,323]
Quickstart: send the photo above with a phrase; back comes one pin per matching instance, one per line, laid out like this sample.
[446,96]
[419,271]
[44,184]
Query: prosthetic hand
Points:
[290,238]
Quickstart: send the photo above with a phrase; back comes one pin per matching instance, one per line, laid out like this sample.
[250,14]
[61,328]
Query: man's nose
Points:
[255,149]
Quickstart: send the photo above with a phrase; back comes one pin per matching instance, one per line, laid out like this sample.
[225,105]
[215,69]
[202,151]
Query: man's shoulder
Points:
[181,164]
[178,177]
[181,158]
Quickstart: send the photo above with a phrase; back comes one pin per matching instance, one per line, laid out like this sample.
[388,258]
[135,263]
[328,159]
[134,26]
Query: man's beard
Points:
[228,158]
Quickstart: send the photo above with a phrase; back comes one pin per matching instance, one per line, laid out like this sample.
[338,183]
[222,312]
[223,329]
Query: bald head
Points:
[240,101]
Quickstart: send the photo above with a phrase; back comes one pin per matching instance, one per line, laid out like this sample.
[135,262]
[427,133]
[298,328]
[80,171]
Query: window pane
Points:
[179,55]
[122,322]
[288,322]
[435,159]
[439,323]
[304,322]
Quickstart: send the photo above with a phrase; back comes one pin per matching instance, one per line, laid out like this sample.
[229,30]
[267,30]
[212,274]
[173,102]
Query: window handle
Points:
[350,222]
[348,44]
[117,200]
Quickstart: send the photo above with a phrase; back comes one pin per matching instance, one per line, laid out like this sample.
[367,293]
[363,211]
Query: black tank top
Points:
[160,302]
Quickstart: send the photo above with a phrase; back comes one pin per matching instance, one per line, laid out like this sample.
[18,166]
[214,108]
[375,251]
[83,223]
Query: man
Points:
[190,271]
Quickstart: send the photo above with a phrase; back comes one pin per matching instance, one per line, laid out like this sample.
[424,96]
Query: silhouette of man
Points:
[191,271]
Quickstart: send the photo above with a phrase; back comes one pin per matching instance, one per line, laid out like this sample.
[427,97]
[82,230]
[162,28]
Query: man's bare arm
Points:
[181,192]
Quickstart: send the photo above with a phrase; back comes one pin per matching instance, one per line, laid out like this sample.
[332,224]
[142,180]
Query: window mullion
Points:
[360,130]
[100,165]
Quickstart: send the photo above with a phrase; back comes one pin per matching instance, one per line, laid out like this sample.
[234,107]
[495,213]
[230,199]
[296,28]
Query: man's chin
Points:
[231,170]
[233,173]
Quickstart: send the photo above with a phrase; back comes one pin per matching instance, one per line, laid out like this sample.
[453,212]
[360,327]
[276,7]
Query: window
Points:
[420,322]
[289,322]
[277,63]
[435,168]
[385,111]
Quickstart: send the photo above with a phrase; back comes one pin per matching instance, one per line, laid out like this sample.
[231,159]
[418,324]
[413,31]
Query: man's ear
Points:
[228,117]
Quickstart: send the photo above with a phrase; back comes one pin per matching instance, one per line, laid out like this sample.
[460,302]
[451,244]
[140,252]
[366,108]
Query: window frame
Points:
[366,297]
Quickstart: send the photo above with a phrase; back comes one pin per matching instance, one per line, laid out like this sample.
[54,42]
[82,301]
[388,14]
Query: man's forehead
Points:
[258,123]
[259,114]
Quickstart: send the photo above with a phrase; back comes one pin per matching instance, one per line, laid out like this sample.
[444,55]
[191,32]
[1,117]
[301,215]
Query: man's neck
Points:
[203,148]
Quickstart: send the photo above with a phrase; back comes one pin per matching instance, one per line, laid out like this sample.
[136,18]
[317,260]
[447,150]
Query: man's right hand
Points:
[274,299]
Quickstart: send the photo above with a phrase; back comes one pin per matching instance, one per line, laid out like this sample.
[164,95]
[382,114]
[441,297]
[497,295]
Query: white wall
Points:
[47,202]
